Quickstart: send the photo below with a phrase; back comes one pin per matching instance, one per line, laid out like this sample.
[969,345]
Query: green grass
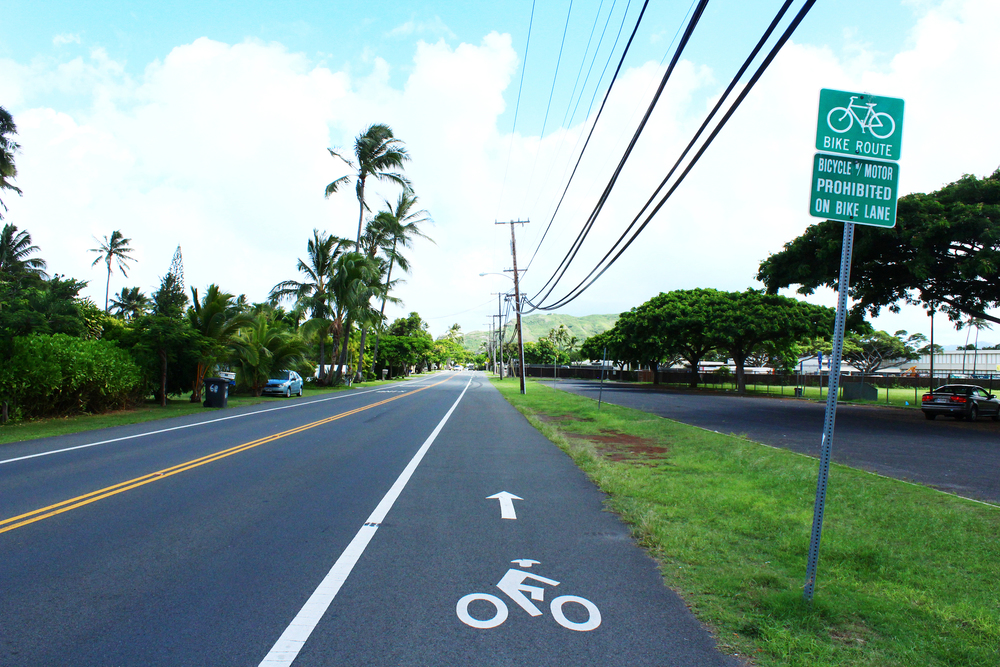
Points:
[149,411]
[907,575]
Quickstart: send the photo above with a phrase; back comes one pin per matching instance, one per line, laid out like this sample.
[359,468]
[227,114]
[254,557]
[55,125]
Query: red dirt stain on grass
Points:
[619,446]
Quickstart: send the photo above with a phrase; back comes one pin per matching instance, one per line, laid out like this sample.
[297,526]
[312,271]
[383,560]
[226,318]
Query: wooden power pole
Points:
[517,296]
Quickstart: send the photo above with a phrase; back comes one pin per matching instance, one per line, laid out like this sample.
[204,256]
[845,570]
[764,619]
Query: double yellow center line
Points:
[79,501]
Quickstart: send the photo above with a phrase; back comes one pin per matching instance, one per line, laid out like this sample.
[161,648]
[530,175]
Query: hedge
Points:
[59,375]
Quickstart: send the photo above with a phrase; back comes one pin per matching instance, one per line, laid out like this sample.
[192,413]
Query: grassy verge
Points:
[149,411]
[907,575]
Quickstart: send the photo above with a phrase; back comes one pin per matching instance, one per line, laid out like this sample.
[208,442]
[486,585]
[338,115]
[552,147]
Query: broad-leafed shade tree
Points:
[943,253]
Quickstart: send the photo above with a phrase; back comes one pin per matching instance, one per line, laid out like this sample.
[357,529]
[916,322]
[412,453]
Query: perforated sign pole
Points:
[831,409]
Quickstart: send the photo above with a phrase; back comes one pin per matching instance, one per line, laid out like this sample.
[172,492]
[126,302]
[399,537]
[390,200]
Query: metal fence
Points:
[768,383]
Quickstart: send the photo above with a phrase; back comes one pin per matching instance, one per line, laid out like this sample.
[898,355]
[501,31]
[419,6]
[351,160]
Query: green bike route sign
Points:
[859,124]
[854,190]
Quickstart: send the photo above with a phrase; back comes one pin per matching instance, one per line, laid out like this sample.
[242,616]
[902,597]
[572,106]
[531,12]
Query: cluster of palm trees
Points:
[344,280]
[346,284]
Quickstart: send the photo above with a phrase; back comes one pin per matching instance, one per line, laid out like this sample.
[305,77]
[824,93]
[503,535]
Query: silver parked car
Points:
[283,383]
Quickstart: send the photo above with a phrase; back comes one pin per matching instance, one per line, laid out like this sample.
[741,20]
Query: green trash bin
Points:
[216,392]
[798,392]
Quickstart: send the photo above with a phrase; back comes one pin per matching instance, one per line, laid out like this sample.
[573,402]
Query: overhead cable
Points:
[517,105]
[585,283]
[560,271]
[596,118]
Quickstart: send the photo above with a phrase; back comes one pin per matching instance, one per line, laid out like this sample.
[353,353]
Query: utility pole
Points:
[499,343]
[498,346]
[517,296]
[489,343]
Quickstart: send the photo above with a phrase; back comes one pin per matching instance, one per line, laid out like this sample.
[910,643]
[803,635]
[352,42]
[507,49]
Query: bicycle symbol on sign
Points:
[872,121]
[513,584]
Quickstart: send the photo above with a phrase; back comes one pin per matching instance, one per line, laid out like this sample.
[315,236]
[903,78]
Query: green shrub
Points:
[59,375]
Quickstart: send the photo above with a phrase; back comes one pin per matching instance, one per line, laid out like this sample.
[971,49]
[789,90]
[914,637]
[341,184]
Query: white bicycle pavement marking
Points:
[513,584]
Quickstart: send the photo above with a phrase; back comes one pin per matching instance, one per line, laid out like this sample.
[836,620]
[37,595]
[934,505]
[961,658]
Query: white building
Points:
[962,362]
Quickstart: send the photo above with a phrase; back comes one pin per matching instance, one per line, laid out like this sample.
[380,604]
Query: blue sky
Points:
[350,34]
[205,124]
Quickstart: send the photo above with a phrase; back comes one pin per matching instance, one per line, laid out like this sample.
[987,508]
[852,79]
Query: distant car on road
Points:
[961,401]
[283,383]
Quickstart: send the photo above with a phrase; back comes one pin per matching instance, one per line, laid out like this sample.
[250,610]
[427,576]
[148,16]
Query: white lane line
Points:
[291,641]
[178,428]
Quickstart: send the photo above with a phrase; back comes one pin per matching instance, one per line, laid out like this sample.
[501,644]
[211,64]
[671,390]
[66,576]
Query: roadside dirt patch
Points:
[618,446]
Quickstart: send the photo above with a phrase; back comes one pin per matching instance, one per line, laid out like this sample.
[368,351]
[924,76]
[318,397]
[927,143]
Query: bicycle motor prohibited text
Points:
[854,190]
[859,124]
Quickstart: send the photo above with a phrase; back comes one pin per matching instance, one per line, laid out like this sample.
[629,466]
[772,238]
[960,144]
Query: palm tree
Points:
[214,318]
[323,250]
[130,304]
[114,250]
[376,153]
[7,149]
[356,280]
[405,227]
[263,347]
[15,247]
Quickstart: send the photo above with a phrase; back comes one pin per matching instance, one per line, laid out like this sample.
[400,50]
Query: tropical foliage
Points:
[114,251]
[691,324]
[264,347]
[8,147]
[943,253]
[15,251]
[62,375]
[377,154]
[165,344]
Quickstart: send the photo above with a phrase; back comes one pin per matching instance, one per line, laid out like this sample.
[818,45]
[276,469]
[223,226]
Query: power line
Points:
[588,225]
[569,103]
[583,60]
[517,105]
[552,90]
[607,94]
[581,287]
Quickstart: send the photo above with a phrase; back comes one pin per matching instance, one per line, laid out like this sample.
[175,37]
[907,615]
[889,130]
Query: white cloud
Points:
[222,149]
[67,38]
[435,27]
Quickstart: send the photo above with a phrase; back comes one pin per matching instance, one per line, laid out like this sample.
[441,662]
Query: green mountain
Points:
[538,326]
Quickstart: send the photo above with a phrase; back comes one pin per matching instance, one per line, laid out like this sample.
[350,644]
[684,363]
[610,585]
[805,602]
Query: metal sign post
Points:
[604,360]
[831,409]
[850,187]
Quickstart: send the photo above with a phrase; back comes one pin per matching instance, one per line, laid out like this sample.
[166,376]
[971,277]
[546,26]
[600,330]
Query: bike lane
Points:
[448,581]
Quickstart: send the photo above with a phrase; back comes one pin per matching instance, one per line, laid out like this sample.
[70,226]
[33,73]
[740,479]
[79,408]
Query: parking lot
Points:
[953,456]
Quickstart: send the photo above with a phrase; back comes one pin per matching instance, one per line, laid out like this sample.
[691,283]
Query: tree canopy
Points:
[7,149]
[943,251]
[691,324]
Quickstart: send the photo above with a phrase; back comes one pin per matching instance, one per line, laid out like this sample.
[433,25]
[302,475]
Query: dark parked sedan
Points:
[961,401]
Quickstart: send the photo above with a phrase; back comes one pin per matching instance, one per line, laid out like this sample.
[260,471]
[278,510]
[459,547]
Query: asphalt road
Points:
[353,529]
[958,457]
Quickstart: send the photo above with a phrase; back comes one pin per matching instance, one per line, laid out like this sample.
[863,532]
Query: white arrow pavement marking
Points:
[506,504]
[291,641]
